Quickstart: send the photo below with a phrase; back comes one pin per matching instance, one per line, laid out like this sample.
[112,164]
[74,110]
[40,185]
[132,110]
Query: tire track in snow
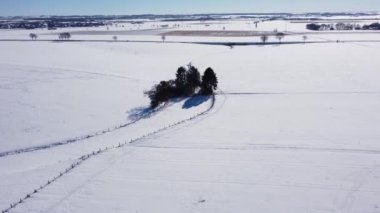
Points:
[74,139]
[88,156]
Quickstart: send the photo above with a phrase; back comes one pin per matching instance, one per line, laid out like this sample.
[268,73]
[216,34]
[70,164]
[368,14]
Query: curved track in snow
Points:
[73,139]
[88,156]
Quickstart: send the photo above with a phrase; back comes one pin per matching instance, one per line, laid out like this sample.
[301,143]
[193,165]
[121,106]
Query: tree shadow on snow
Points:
[140,113]
[195,101]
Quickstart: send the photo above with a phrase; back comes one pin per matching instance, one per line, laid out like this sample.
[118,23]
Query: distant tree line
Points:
[188,82]
[51,25]
[342,26]
[22,25]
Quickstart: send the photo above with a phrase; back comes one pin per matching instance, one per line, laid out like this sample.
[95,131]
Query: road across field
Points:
[230,44]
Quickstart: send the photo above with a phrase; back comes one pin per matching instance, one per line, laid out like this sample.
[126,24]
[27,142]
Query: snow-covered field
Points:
[294,128]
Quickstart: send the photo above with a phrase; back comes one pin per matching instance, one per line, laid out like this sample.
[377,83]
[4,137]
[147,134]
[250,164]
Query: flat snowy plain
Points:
[294,128]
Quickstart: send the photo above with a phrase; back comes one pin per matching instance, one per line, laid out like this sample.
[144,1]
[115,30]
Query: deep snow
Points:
[294,127]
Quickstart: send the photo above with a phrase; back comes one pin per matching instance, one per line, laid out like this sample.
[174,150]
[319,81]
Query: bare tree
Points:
[264,38]
[64,36]
[33,36]
[304,38]
[280,36]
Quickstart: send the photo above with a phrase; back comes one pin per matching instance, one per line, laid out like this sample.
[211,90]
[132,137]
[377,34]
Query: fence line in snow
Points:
[75,139]
[85,157]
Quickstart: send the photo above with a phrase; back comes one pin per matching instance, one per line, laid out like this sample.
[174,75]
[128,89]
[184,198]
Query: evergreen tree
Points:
[193,80]
[209,82]
[161,93]
[180,81]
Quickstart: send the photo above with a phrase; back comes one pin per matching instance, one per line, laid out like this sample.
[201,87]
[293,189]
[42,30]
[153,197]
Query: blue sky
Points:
[88,7]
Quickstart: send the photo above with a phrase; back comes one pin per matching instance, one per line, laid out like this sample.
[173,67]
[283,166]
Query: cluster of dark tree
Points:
[279,36]
[373,26]
[64,36]
[342,26]
[187,83]
[61,36]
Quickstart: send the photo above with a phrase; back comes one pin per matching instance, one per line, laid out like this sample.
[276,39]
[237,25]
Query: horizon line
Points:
[188,14]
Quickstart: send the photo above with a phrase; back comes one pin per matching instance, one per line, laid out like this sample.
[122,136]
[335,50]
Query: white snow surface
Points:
[294,128]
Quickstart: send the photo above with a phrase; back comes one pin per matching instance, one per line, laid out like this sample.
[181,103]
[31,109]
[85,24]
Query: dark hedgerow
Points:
[187,83]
